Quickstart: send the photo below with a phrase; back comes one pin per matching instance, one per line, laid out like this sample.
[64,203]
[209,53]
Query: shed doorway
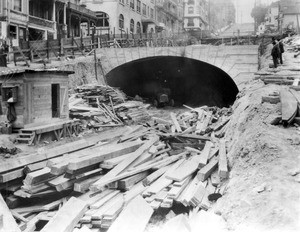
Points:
[55,100]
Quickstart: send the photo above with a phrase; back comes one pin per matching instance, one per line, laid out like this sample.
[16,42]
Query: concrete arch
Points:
[239,62]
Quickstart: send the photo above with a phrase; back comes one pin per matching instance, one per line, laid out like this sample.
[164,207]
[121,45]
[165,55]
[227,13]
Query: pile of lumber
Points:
[102,106]
[118,181]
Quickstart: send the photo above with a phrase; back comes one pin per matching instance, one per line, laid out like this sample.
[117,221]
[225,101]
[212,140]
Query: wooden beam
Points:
[205,172]
[223,169]
[67,217]
[22,161]
[134,217]
[8,176]
[125,163]
[175,122]
[204,156]
[99,154]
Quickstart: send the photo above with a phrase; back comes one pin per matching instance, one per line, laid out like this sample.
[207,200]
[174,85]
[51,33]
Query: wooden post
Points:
[95,56]
[61,51]
[73,43]
[114,32]
[81,40]
[48,57]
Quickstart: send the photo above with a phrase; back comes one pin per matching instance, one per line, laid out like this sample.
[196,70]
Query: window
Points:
[190,22]
[13,32]
[191,10]
[152,13]
[148,10]
[103,19]
[132,4]
[22,33]
[138,6]
[144,9]
[138,27]
[18,5]
[121,1]
[121,21]
[131,25]
[191,2]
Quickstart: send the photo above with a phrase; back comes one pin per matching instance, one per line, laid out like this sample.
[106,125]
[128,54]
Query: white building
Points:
[196,15]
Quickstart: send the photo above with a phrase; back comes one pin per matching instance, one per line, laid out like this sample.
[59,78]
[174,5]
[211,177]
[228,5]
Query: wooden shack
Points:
[38,96]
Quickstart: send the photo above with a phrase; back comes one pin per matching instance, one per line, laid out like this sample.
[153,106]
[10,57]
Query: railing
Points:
[41,22]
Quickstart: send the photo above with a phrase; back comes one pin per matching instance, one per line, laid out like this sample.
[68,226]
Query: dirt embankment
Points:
[261,195]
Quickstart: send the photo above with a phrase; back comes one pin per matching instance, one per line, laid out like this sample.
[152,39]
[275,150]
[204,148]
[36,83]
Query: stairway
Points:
[26,136]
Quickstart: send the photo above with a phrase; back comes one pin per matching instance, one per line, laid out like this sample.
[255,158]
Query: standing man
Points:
[281,49]
[275,53]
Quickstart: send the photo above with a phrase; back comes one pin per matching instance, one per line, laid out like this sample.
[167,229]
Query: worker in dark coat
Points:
[275,53]
[281,48]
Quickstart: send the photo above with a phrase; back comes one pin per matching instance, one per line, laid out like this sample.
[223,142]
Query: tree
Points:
[259,13]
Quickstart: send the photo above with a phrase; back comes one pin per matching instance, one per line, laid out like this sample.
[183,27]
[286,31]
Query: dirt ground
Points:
[263,190]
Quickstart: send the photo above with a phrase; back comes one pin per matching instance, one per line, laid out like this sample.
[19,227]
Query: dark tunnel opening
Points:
[190,81]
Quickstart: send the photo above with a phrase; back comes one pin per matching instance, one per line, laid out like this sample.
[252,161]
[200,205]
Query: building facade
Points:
[196,15]
[137,16]
[23,20]
[289,15]
[272,17]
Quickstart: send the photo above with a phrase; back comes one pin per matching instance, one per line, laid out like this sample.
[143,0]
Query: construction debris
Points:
[155,165]
[101,106]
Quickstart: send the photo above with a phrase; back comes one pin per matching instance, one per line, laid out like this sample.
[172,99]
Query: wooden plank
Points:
[83,186]
[223,169]
[8,176]
[128,182]
[133,192]
[185,170]
[138,170]
[34,167]
[8,221]
[36,157]
[105,199]
[205,172]
[106,179]
[155,175]
[204,156]
[134,217]
[67,216]
[289,106]
[99,154]
[175,122]
[38,176]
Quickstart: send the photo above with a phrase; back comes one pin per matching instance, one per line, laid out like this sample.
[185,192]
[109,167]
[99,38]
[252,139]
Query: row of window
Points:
[146,10]
[131,28]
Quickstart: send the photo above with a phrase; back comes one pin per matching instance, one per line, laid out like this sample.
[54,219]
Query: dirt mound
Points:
[262,194]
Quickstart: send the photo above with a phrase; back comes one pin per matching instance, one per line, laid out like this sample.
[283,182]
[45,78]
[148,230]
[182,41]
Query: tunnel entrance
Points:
[190,81]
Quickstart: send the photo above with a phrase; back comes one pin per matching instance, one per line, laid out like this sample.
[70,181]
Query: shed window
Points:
[131,25]
[18,5]
[103,19]
[138,27]
[190,22]
[191,10]
[10,93]
[121,21]
[132,4]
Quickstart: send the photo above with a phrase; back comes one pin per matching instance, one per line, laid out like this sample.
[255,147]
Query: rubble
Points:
[160,163]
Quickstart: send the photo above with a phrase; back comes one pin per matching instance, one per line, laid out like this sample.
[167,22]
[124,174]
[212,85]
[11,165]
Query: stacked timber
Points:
[103,106]
[109,183]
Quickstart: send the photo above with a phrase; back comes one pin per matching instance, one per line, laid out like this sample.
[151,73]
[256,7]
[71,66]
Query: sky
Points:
[244,8]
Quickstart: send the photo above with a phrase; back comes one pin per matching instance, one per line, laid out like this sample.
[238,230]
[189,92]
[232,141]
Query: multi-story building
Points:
[123,16]
[272,16]
[42,19]
[196,15]
[170,15]
[289,15]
